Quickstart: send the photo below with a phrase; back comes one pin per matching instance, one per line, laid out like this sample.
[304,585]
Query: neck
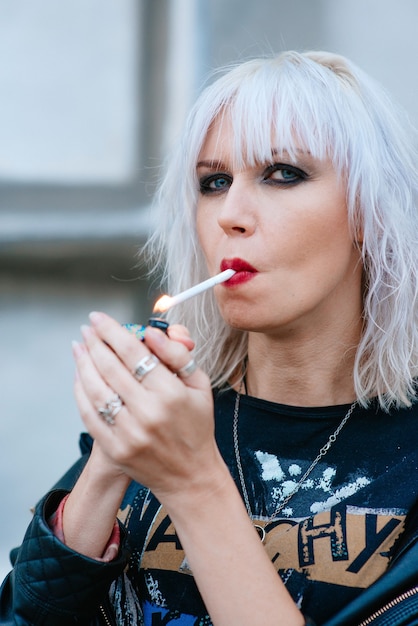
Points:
[310,371]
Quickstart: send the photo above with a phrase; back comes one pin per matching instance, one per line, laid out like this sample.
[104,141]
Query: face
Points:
[282,225]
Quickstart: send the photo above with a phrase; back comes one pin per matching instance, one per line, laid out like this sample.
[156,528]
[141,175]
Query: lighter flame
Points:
[166,302]
[162,304]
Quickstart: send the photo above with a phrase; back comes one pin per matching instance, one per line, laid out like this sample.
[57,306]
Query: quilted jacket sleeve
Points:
[51,584]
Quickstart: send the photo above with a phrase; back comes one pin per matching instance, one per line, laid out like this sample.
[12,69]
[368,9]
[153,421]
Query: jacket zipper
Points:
[390,605]
[105,616]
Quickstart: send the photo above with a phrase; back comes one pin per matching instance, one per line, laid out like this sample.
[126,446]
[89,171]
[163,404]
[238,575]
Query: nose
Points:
[237,214]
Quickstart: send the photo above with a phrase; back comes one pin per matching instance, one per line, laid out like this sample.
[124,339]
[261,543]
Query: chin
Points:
[244,323]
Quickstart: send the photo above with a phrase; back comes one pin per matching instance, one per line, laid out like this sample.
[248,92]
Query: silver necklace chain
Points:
[322,452]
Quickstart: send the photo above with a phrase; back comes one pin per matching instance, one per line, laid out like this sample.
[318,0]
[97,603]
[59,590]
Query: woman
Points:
[296,173]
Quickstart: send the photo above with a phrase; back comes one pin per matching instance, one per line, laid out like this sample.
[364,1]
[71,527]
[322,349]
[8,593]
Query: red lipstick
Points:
[244,271]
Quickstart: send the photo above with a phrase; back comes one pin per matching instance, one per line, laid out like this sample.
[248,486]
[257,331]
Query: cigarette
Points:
[166,302]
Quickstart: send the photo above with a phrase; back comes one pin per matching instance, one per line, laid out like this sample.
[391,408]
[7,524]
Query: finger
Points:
[117,344]
[96,401]
[176,356]
[119,440]
[179,333]
[116,373]
[105,435]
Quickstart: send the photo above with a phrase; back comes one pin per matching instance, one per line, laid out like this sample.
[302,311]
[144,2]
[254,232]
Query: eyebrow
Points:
[212,164]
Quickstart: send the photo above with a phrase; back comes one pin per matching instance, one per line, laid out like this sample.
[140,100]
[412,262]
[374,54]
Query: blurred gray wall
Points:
[92,92]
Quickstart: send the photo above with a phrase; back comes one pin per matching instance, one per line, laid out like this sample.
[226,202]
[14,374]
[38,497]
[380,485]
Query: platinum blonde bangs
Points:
[320,103]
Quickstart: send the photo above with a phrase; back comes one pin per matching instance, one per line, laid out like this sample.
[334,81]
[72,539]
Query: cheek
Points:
[317,238]
[326,222]
[334,255]
[200,230]
[205,231]
[199,223]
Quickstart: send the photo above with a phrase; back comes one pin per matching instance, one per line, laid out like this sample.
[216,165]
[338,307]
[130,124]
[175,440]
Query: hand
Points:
[163,436]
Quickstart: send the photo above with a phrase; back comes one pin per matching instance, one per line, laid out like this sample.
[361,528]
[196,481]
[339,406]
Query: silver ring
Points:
[188,369]
[111,409]
[145,366]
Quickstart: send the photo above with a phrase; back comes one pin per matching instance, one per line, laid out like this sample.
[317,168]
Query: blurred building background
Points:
[92,93]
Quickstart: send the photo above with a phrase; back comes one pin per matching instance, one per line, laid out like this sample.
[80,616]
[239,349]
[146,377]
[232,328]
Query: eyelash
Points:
[205,181]
[300,175]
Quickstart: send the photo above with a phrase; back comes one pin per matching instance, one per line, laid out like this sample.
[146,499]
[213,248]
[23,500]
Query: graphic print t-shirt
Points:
[332,539]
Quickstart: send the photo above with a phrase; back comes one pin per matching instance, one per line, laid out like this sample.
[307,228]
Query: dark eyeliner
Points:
[300,175]
[205,181]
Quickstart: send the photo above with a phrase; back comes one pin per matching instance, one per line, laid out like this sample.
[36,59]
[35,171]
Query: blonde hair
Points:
[325,103]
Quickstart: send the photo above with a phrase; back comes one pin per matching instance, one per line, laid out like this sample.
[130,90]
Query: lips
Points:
[244,271]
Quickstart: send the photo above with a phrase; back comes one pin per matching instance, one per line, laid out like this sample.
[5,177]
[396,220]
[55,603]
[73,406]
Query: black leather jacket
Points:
[51,585]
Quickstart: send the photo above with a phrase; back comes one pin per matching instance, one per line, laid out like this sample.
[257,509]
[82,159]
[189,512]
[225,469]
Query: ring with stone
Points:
[111,409]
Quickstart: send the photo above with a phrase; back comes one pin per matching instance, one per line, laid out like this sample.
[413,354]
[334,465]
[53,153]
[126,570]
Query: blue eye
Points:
[219,183]
[282,174]
[215,183]
[286,174]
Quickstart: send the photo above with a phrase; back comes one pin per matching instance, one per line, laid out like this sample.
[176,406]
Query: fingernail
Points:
[78,349]
[95,317]
[86,331]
